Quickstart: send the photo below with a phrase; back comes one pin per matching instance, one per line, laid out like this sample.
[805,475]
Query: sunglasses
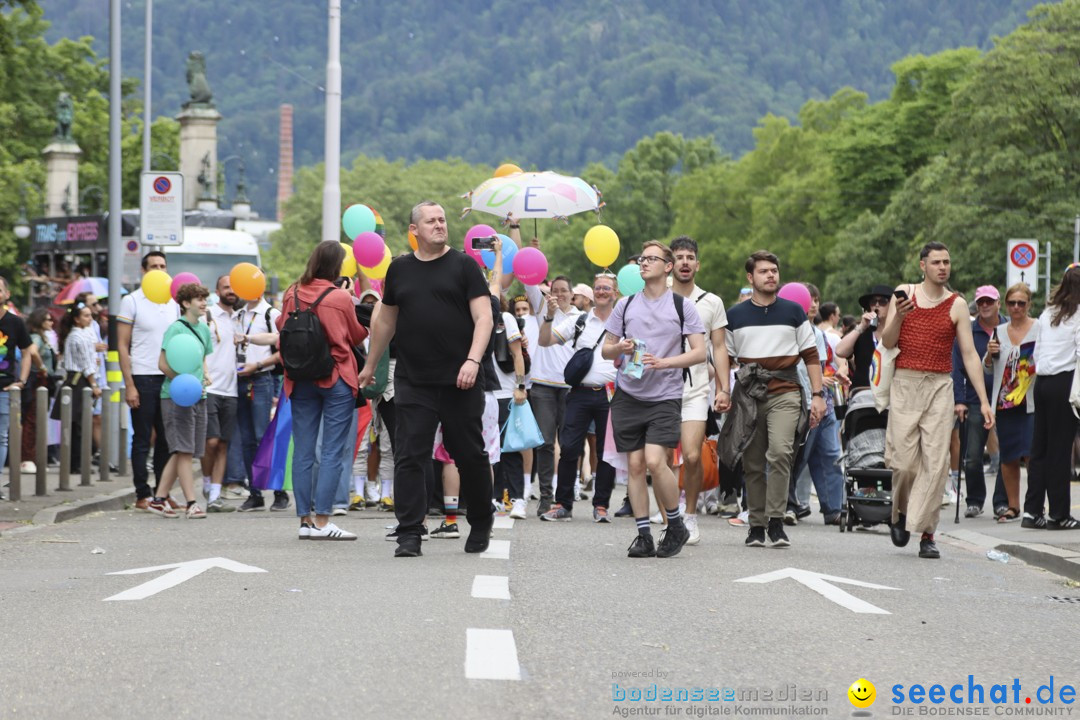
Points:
[985,301]
[879,302]
[1016,303]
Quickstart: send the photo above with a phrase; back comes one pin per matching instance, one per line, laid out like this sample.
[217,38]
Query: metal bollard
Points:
[121,443]
[106,435]
[65,438]
[15,442]
[41,440]
[87,422]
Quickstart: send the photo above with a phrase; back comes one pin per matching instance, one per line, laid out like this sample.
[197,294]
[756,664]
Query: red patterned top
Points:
[926,338]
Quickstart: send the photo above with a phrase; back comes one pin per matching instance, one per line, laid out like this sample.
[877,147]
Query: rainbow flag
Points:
[272,467]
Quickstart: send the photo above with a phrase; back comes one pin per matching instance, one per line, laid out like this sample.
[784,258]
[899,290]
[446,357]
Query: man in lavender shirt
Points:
[646,411]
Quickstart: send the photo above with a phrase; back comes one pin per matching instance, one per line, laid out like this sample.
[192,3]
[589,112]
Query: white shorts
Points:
[695,404]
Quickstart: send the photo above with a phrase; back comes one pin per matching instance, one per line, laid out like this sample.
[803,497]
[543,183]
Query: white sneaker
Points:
[950,494]
[657,518]
[330,531]
[340,511]
[691,525]
[234,492]
[28,466]
[518,509]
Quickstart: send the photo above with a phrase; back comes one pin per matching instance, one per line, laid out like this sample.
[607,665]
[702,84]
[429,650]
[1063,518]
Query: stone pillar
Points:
[198,155]
[61,177]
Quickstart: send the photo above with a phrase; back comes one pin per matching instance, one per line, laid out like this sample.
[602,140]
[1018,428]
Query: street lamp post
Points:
[97,192]
[241,206]
[331,209]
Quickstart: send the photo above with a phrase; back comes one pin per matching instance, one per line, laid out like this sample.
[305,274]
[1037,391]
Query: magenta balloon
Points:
[474,232]
[530,266]
[368,249]
[181,279]
[796,293]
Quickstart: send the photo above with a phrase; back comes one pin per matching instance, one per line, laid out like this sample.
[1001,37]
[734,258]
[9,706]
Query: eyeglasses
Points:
[603,288]
[645,259]
[1016,303]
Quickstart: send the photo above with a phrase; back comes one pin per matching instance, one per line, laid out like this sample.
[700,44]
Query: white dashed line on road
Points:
[497,550]
[491,655]
[503,522]
[491,587]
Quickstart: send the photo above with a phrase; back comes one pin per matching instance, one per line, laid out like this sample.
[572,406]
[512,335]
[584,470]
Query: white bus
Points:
[208,252]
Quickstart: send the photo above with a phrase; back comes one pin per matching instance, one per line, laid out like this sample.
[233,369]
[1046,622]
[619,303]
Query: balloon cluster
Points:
[369,252]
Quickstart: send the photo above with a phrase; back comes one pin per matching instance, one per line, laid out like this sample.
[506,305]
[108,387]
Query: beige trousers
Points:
[773,444]
[921,413]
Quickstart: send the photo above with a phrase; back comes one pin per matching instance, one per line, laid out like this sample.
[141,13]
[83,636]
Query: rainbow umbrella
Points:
[94,285]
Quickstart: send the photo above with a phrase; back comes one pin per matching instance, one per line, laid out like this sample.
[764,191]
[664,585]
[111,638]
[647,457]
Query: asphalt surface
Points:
[346,630]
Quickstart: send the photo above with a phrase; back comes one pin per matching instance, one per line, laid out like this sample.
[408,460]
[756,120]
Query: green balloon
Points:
[184,353]
[357,219]
[630,280]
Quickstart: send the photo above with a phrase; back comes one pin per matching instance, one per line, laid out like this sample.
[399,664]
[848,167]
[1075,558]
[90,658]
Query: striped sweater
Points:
[775,337]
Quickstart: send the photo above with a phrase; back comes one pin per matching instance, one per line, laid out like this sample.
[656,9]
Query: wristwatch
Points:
[521,386]
[819,393]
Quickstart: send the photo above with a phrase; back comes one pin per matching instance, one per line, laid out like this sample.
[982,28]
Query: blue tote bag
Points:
[521,431]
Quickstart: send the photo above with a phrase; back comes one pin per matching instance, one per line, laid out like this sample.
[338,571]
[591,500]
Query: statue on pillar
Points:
[206,181]
[198,87]
[65,114]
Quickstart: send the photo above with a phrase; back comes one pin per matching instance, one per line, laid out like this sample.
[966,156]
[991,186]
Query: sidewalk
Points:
[56,506]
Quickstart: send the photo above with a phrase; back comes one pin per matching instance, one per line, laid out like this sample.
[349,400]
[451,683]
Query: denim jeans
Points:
[312,405]
[821,457]
[973,463]
[584,405]
[341,494]
[5,420]
[145,421]
[549,407]
[252,419]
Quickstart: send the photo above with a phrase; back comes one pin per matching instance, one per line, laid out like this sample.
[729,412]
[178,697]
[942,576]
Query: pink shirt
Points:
[338,317]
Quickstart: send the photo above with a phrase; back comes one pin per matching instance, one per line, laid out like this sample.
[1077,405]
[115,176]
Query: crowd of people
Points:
[402,394]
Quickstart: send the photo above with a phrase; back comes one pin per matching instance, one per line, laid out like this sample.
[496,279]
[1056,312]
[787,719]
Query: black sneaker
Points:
[408,546]
[642,547]
[625,510]
[479,539]
[673,540]
[803,511]
[899,534]
[281,502]
[777,537]
[543,508]
[755,537]
[254,502]
[928,548]
[1033,522]
[1066,523]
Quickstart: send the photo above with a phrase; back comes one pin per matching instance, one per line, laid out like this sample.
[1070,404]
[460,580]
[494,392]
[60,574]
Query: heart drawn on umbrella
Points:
[565,190]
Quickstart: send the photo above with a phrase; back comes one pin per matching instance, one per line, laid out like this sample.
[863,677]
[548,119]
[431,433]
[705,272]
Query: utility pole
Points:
[331,216]
[147,63]
[1076,239]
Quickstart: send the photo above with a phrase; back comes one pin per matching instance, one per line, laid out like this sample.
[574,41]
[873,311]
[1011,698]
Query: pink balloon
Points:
[368,249]
[796,293]
[530,266]
[474,232]
[181,279]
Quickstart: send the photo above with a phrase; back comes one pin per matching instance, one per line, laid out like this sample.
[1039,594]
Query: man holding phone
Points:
[924,320]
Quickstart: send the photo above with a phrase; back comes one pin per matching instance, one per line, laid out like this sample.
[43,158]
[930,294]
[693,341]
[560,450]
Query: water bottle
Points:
[997,555]
[995,339]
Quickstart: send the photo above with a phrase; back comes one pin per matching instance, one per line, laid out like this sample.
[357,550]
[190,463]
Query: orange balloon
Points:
[412,241]
[248,281]
[506,169]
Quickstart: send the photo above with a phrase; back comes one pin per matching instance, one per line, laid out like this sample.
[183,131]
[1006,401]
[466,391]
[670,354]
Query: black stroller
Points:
[867,482]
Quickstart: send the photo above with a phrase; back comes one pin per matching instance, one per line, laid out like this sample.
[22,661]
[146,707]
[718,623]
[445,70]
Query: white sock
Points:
[215,491]
[372,489]
[528,487]
[358,484]
[387,486]
[206,481]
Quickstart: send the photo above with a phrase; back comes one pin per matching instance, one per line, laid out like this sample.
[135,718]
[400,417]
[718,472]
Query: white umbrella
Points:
[534,195]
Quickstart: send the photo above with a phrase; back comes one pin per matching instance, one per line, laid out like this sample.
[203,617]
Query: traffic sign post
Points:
[161,208]
[1022,263]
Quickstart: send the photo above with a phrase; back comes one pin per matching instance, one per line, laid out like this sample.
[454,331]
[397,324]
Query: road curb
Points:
[1059,561]
[116,500]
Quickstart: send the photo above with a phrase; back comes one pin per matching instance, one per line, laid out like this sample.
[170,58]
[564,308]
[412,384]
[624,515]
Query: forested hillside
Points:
[551,85]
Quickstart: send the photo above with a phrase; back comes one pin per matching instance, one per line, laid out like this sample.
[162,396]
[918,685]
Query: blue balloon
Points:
[630,280]
[185,390]
[509,250]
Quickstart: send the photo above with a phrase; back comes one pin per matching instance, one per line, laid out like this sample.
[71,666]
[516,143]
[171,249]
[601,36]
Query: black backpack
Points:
[305,353]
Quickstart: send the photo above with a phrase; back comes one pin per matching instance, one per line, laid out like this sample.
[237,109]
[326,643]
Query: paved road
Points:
[344,630]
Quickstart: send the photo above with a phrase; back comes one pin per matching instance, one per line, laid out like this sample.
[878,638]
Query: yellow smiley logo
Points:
[862,693]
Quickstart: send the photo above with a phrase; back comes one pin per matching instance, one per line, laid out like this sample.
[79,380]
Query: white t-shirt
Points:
[602,371]
[252,321]
[222,359]
[714,317]
[149,321]
[548,363]
[532,335]
[506,380]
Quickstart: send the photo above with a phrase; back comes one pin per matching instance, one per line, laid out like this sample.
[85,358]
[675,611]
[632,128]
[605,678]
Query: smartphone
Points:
[340,281]
[521,324]
[900,295]
[484,243]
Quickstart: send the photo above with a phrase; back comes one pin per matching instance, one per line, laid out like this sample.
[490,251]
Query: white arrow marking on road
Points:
[819,583]
[181,572]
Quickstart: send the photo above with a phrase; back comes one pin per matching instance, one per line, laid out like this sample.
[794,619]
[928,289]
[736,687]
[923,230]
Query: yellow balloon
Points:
[379,271]
[348,265]
[602,245]
[155,285]
[506,169]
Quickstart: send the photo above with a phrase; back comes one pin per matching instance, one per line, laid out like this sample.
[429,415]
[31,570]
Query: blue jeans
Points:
[341,494]
[973,463]
[252,419]
[5,419]
[821,455]
[312,405]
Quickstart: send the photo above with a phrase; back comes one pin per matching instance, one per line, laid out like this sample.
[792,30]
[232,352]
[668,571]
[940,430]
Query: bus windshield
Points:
[206,266]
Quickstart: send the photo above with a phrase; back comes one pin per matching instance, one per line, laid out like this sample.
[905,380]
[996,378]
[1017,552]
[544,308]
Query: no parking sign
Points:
[1022,263]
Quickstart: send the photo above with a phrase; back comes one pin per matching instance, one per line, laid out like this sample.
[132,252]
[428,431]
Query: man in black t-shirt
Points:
[436,308]
[13,335]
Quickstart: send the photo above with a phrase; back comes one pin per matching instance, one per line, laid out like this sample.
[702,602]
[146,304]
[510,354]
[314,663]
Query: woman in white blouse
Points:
[80,362]
[1056,353]
[1010,358]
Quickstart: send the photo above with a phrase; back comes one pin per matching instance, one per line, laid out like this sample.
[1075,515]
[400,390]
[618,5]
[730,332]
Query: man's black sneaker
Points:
[755,537]
[673,540]
[777,537]
[408,546]
[625,510]
[1033,522]
[899,534]
[281,502]
[803,511]
[642,547]
[479,539]
[928,548]
[253,502]
[543,507]
[1066,523]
